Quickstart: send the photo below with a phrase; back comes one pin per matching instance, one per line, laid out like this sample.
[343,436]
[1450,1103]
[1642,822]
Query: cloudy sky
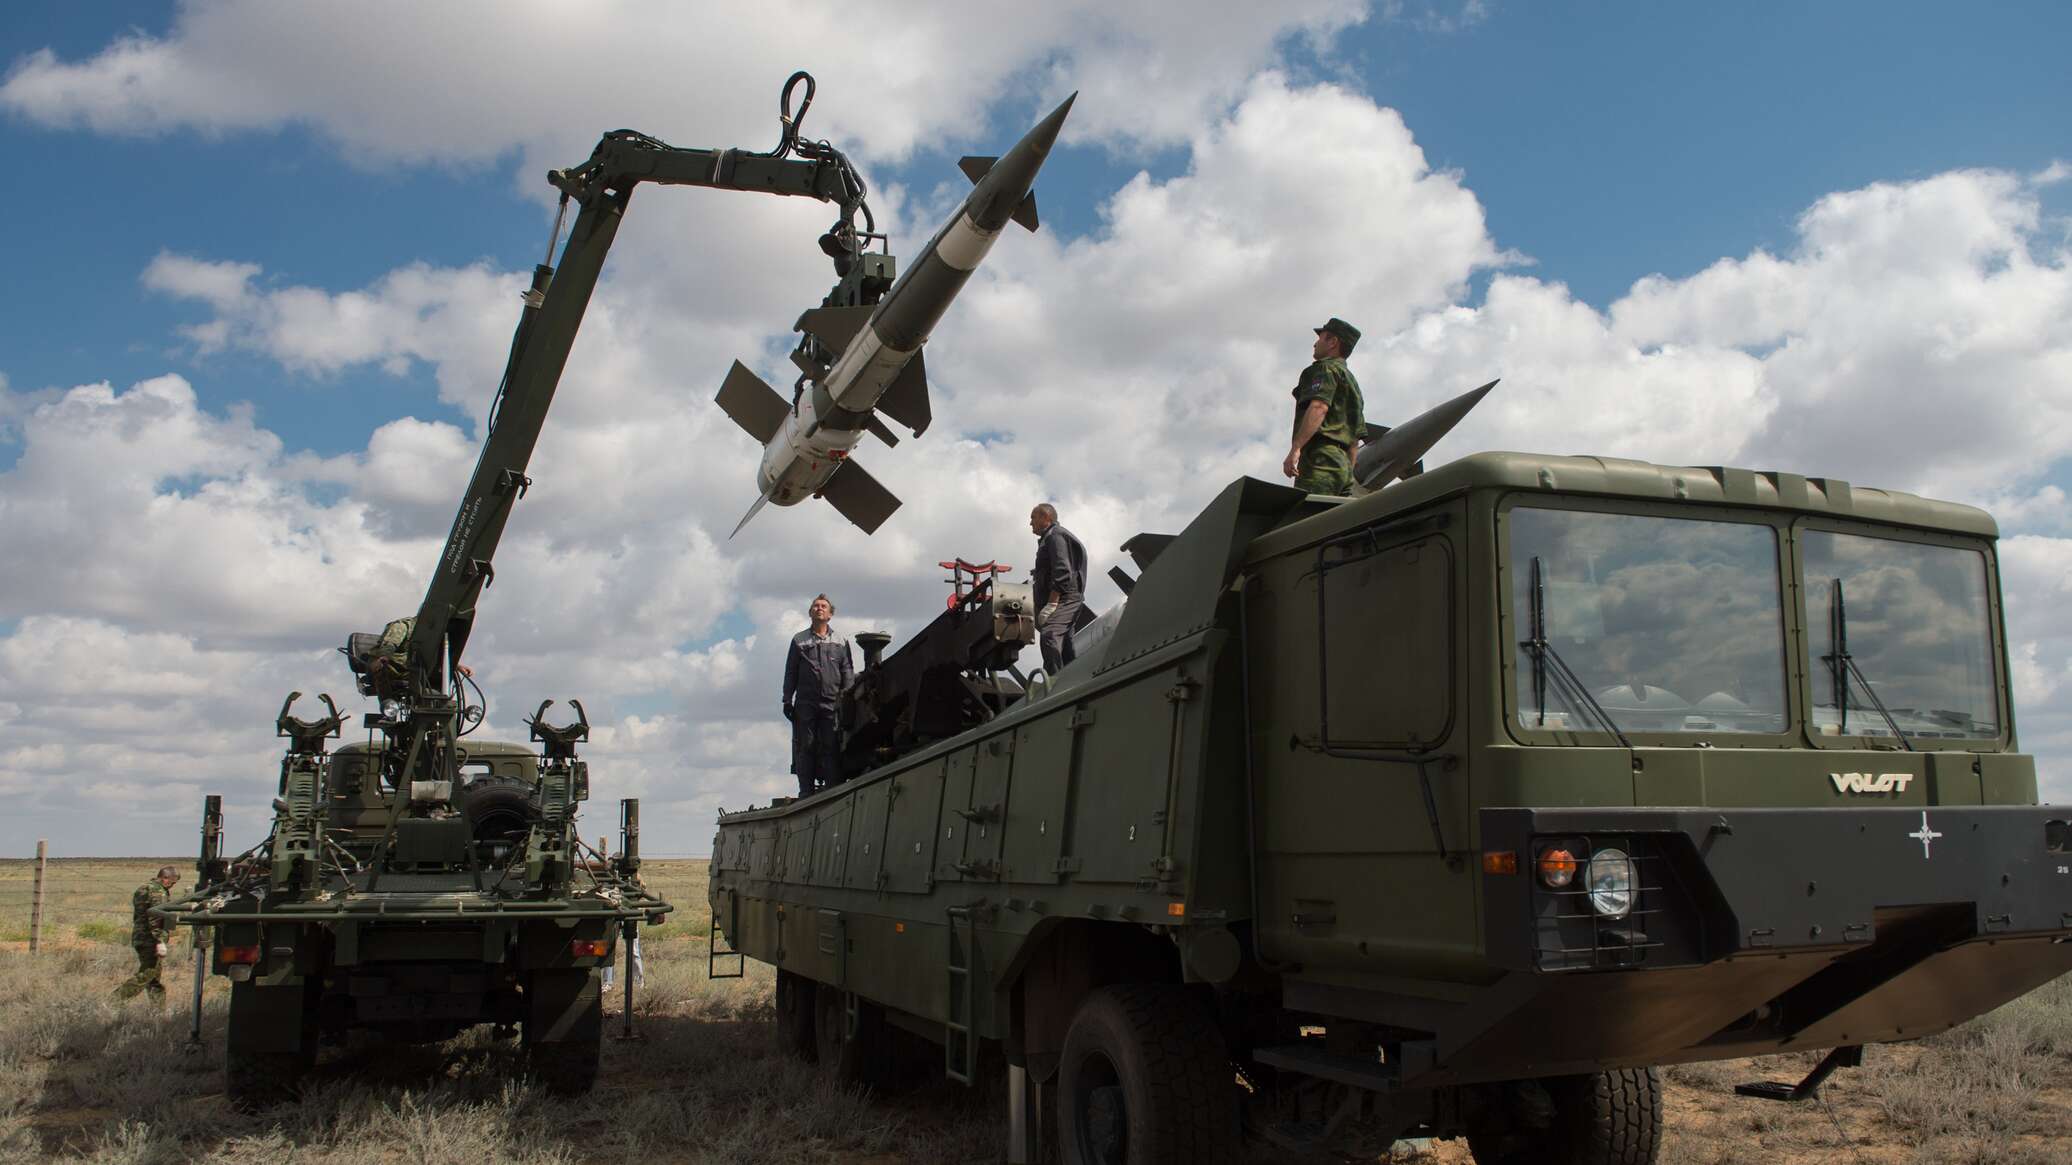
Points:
[264,262]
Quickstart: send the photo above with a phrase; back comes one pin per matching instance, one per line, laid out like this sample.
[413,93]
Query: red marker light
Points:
[1557,867]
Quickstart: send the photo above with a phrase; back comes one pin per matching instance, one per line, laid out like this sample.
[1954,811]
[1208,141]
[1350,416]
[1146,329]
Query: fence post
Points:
[36,897]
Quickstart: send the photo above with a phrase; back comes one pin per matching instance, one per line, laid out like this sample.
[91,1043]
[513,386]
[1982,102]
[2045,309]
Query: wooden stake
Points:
[36,897]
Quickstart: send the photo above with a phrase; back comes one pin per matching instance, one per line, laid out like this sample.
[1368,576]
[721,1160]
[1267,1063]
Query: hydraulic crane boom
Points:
[601,188]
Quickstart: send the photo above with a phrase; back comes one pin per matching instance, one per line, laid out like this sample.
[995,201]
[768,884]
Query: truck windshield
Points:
[1672,624]
[1917,628]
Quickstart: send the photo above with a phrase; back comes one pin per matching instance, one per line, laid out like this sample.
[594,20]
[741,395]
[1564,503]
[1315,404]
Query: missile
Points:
[1396,452]
[876,364]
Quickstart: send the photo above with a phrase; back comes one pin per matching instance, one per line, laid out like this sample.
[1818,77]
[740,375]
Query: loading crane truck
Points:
[1454,809]
[419,882]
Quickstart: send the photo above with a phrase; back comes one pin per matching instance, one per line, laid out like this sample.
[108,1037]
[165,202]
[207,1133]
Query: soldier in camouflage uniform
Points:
[1330,415]
[148,934]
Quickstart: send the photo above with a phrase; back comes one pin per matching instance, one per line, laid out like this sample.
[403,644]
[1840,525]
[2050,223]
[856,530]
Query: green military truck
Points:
[421,883]
[1449,810]
[413,913]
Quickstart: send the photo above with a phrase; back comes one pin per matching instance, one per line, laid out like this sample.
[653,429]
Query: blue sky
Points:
[1605,142]
[1860,213]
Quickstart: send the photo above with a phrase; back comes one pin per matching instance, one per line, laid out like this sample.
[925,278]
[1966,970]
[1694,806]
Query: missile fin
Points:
[906,399]
[754,405]
[753,510]
[976,167]
[834,326]
[878,429]
[1146,547]
[1025,212]
[857,496]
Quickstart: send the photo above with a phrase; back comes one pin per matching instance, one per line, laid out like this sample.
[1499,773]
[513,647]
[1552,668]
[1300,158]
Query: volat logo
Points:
[1870,783]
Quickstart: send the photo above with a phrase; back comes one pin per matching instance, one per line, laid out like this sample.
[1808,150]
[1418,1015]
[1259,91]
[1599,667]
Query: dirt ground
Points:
[83,1077]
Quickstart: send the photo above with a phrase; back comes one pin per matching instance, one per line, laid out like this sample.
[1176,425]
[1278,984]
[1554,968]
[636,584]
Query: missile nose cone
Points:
[1046,131]
[994,201]
[1395,452]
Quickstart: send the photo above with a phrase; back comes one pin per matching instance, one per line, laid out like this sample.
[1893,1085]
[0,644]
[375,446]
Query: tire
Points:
[566,1065]
[1606,1118]
[1145,1079]
[863,1057]
[497,810]
[257,1073]
[796,1003]
[259,1080]
[566,1068]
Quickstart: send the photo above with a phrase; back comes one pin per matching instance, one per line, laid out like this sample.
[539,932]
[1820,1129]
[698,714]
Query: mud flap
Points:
[271,1019]
[562,1007]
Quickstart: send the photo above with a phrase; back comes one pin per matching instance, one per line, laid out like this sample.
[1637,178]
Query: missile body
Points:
[877,366]
[1394,453]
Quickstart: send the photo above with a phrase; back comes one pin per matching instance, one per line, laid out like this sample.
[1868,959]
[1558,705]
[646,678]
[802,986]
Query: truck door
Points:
[1355,650]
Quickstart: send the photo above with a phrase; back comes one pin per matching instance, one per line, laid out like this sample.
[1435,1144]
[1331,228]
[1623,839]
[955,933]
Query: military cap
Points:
[1348,335]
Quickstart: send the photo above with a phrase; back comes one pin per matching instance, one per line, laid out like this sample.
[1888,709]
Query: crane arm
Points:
[554,305]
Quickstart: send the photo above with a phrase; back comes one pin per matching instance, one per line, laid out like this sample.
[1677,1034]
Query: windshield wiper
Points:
[1842,665]
[1567,683]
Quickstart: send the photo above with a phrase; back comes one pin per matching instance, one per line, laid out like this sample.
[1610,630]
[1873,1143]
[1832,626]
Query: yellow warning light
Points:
[1177,909]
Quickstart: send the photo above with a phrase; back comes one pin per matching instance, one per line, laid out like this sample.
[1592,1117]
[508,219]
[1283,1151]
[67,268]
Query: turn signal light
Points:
[589,948]
[238,956]
[1557,866]
[1500,861]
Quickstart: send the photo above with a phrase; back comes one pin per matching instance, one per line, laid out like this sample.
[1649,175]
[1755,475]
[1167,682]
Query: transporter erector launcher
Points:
[863,359]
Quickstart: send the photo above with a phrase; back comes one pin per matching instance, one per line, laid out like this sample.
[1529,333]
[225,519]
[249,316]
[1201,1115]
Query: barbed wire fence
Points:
[49,900]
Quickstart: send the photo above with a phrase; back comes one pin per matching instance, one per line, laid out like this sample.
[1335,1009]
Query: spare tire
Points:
[498,810]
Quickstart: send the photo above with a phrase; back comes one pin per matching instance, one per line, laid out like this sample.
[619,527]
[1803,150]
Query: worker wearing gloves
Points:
[148,933]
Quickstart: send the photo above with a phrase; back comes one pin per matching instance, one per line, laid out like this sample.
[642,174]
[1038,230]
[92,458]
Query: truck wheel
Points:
[258,1071]
[1144,1079]
[1606,1118]
[859,1058]
[796,1002]
[497,810]
[563,1033]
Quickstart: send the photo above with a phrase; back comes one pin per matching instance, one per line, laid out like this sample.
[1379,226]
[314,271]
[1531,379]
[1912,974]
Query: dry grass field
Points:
[83,1077]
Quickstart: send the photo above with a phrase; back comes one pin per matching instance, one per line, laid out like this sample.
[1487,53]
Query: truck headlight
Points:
[1611,883]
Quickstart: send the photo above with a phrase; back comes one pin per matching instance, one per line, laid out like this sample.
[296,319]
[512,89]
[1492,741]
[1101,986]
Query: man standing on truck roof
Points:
[1330,415]
[817,669]
[148,934]
[1059,581]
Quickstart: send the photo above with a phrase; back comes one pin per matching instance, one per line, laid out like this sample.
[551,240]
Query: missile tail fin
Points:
[753,510]
[857,496]
[880,430]
[1025,212]
[906,398]
[753,405]
[975,167]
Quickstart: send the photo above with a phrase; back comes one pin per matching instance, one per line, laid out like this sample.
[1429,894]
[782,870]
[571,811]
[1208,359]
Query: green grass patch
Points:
[102,930]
